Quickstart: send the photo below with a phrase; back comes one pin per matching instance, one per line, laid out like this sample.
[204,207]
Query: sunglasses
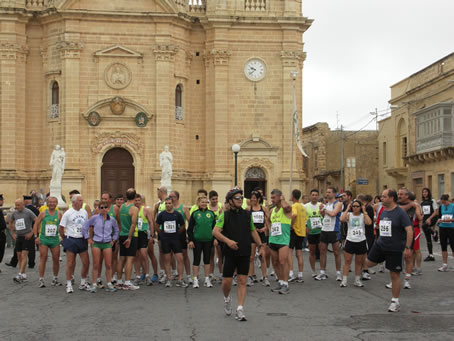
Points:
[102,207]
[238,198]
[356,206]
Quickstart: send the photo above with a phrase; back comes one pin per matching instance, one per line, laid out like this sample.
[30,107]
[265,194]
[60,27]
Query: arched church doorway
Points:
[255,177]
[117,171]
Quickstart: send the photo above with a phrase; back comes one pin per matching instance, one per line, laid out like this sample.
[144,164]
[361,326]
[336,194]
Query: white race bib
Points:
[258,217]
[316,223]
[357,233]
[443,217]
[139,223]
[328,223]
[276,229]
[170,226]
[385,228]
[50,230]
[78,229]
[426,209]
[20,224]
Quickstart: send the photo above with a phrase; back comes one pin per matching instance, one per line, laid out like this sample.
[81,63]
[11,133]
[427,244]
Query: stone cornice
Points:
[165,52]
[69,49]
[217,57]
[13,51]
[293,58]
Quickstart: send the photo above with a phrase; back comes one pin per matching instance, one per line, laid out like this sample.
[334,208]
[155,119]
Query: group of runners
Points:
[236,235]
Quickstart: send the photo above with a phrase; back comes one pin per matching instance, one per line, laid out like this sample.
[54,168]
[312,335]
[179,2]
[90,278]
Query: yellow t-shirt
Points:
[299,225]
[45,207]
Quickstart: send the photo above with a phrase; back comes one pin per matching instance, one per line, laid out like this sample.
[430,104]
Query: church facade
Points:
[114,82]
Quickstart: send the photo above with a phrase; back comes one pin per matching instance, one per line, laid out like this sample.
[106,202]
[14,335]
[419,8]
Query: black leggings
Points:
[198,248]
[428,233]
[445,234]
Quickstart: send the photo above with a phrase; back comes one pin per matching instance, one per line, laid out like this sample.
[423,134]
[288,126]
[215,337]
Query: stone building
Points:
[113,82]
[416,143]
[324,167]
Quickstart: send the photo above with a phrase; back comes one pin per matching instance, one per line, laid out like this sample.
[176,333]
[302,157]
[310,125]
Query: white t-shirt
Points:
[356,228]
[72,221]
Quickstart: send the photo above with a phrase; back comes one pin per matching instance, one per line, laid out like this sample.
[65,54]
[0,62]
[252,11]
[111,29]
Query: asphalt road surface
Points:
[312,311]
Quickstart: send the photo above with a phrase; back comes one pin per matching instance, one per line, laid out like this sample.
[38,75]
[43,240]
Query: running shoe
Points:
[291,278]
[84,286]
[69,289]
[444,268]
[100,284]
[365,276]
[240,315]
[228,306]
[389,285]
[130,287]
[56,283]
[284,290]
[249,282]
[41,283]
[338,276]
[174,275]
[394,307]
[181,284]
[168,284]
[93,289]
[407,284]
[277,287]
[321,277]
[314,275]
[372,271]
[163,279]
[148,281]
[272,273]
[416,272]
[254,279]
[381,268]
[299,279]
[266,282]
[155,278]
[207,283]
[343,284]
[110,288]
[195,283]
[429,258]
[189,279]
[358,283]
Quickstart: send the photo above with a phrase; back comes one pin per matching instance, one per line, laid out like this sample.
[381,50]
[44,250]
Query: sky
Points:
[357,49]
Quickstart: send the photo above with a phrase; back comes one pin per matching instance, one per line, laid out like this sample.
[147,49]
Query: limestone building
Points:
[357,173]
[416,143]
[113,82]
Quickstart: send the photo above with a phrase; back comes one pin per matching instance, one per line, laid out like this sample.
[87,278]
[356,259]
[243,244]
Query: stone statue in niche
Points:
[166,161]
[57,161]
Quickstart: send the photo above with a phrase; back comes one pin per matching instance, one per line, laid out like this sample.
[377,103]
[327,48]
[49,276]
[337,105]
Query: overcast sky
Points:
[357,49]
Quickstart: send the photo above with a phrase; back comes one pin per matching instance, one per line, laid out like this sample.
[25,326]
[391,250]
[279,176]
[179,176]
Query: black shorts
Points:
[296,242]
[75,245]
[276,247]
[263,237]
[392,259]
[170,245]
[446,236]
[131,250]
[23,244]
[240,263]
[142,241]
[313,239]
[356,248]
[329,237]
[183,240]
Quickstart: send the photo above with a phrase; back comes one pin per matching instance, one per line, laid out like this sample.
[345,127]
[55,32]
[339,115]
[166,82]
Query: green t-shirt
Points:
[201,225]
[280,227]
[49,227]
[314,218]
[126,221]
[142,221]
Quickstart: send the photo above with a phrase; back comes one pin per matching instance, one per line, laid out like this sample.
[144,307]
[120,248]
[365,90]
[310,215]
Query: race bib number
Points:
[328,223]
[443,217]
[276,229]
[258,217]
[385,228]
[50,230]
[426,209]
[357,233]
[20,224]
[316,223]
[78,229]
[170,226]
[139,223]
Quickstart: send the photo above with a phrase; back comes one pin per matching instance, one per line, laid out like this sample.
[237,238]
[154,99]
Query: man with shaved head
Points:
[21,231]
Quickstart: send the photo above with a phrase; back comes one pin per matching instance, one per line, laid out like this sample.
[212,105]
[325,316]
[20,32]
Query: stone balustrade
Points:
[255,5]
[197,6]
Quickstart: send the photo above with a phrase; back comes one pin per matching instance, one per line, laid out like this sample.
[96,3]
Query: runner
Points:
[329,235]
[175,196]
[260,217]
[2,231]
[356,239]
[85,206]
[446,225]
[145,230]
[297,235]
[314,226]
[171,224]
[370,236]
[235,228]
[159,207]
[21,231]
[73,241]
[280,222]
[112,210]
[396,236]
[102,231]
[45,230]
[200,193]
[200,236]
[128,240]
[430,211]
[216,207]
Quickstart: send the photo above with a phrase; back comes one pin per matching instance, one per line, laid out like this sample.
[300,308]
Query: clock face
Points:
[255,69]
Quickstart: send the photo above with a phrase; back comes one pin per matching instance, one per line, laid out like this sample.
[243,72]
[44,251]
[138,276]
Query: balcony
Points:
[179,113]
[54,111]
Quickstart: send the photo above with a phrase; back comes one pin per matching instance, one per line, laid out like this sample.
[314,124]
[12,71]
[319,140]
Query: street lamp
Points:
[235,149]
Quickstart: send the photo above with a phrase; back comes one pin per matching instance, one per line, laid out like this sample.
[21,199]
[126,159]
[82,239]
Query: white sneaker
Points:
[407,284]
[389,285]
[69,289]
[321,277]
[365,276]
[84,286]
[208,283]
[338,276]
[168,284]
[249,282]
[343,284]
[195,283]
[163,279]
[394,307]
[228,306]
[372,271]
[291,278]
[358,283]
[381,268]
[314,275]
[444,268]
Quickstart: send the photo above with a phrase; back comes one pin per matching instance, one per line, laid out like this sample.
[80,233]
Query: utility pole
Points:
[342,159]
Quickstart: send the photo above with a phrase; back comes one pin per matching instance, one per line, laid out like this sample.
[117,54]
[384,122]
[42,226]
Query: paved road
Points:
[312,311]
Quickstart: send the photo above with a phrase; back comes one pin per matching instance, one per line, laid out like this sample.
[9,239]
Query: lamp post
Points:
[294,76]
[235,149]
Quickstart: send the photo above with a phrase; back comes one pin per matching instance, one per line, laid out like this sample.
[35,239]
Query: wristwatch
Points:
[408,247]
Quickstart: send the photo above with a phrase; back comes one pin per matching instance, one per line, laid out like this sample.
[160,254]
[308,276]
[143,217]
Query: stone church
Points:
[113,82]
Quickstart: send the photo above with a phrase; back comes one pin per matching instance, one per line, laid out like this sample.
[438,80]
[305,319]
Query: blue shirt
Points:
[448,212]
[104,231]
